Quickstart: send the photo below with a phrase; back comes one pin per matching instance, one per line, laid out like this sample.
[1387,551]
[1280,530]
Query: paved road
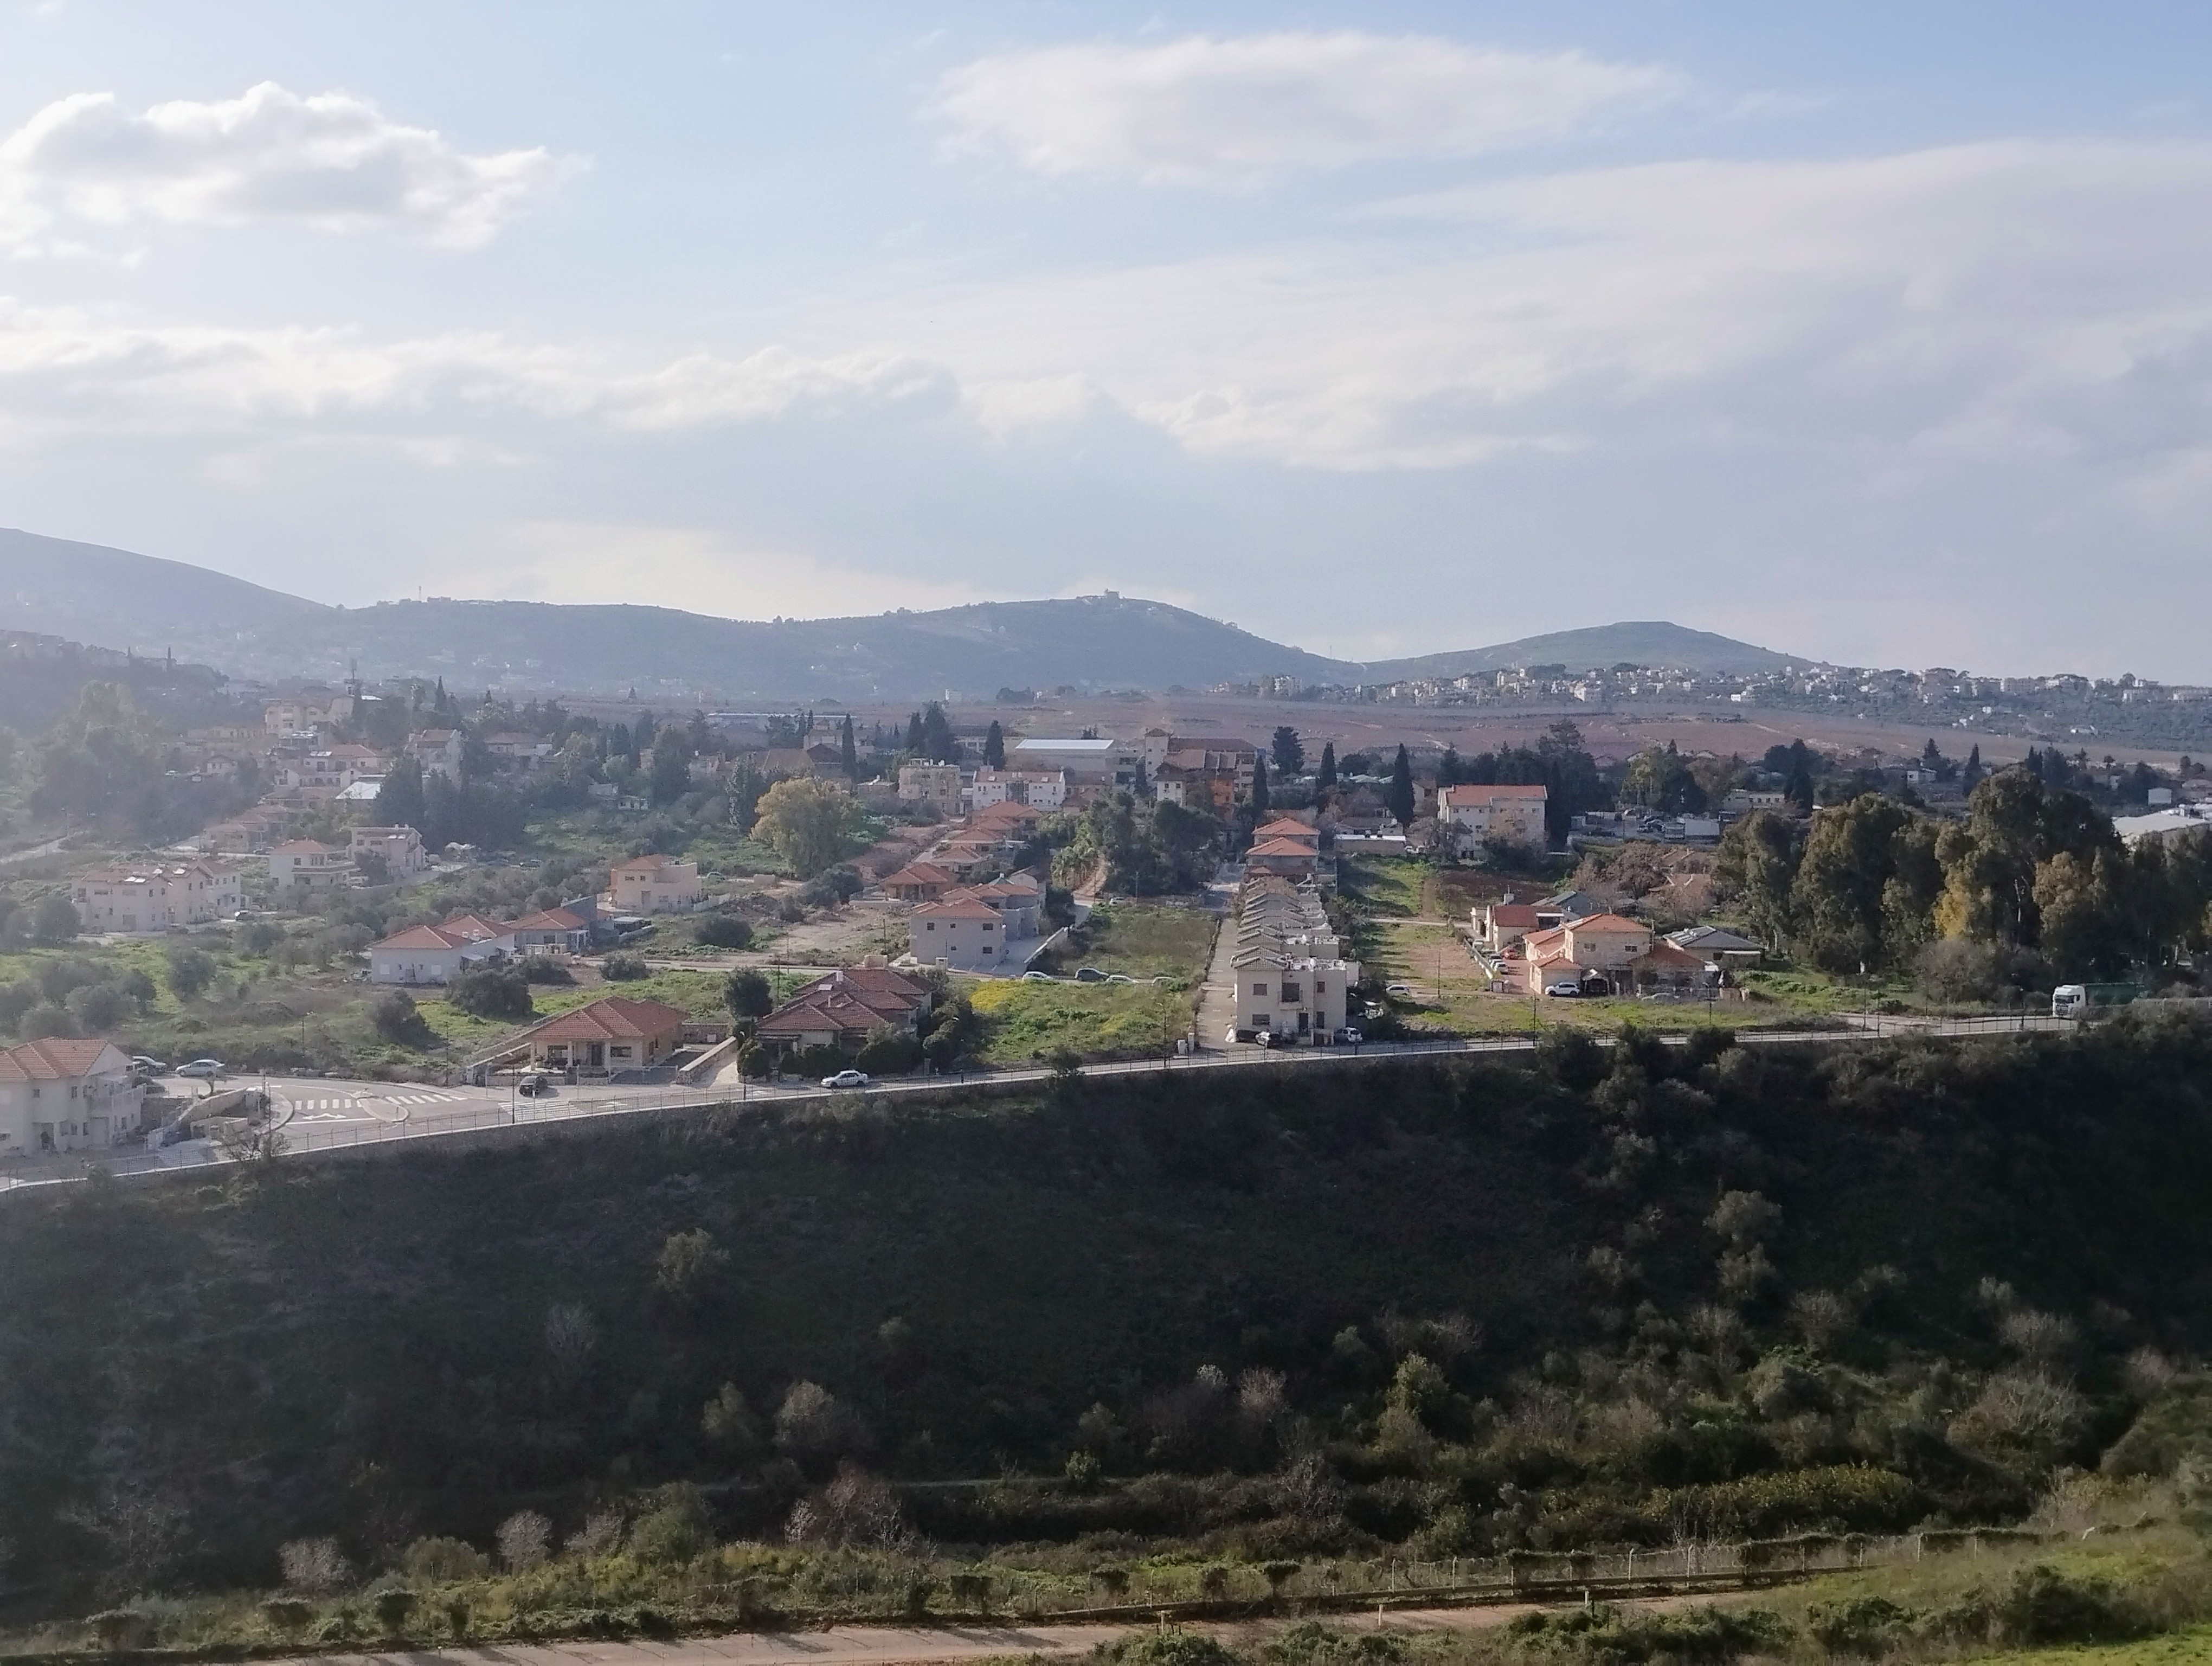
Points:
[894,1645]
[318,1115]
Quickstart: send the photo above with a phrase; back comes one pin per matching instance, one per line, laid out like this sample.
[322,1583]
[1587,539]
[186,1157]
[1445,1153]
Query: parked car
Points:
[847,1078]
[1264,1038]
[1121,977]
[205,1070]
[151,1066]
[1089,975]
[1349,1036]
[1036,978]
[1563,989]
[1403,990]
[536,1083]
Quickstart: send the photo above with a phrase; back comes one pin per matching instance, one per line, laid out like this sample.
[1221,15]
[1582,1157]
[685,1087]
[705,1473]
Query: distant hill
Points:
[122,600]
[89,592]
[1646,643]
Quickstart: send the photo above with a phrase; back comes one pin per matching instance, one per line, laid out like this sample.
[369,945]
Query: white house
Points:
[432,954]
[962,930]
[155,896]
[300,865]
[653,885]
[401,848]
[61,1094]
[1511,814]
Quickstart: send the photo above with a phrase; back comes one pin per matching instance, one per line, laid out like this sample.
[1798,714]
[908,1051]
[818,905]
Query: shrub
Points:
[674,1530]
[444,1561]
[394,1016]
[1173,1647]
[1867,1626]
[624,967]
[46,1018]
[490,992]
[889,1050]
[97,1006]
[1313,1643]
[688,1267]
[601,1534]
[56,921]
[15,1000]
[287,1616]
[724,930]
[191,971]
[813,1426]
[748,995]
[314,1565]
[393,1608]
[539,968]
[120,1628]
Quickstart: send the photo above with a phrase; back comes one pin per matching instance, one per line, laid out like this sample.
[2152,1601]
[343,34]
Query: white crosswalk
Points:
[354,1101]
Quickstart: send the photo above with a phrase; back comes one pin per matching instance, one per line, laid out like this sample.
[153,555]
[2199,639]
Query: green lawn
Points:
[1098,1021]
[1144,940]
[2190,1648]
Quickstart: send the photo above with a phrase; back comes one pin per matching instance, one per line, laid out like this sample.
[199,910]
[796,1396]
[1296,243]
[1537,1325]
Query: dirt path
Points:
[896,1646]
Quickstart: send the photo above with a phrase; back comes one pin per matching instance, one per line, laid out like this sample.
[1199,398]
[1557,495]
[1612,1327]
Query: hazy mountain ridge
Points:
[122,600]
[1641,642]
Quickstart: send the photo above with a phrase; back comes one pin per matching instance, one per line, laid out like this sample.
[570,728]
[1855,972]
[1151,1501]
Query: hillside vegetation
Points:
[1592,1299]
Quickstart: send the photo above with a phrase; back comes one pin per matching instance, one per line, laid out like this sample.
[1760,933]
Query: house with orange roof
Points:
[613,1033]
[551,931]
[1598,950]
[960,929]
[920,882]
[432,954]
[67,1094]
[1293,858]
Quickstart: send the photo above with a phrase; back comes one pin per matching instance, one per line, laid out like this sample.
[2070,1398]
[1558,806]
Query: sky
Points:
[1880,334]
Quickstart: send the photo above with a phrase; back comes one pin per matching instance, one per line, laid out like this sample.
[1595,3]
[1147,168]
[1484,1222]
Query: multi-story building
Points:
[155,895]
[400,849]
[1511,814]
[64,1094]
[307,865]
[653,885]
[932,786]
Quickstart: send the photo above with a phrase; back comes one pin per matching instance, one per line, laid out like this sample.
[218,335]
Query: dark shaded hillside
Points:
[42,676]
[1506,1306]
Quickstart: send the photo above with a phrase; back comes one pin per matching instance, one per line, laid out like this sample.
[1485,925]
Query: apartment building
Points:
[155,895]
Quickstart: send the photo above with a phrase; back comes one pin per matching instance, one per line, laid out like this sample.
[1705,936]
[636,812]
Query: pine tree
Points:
[1401,800]
[1327,775]
[994,745]
[1971,777]
[914,741]
[1259,788]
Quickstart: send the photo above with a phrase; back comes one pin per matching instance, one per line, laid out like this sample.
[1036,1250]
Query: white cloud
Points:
[698,569]
[1970,304]
[331,161]
[67,368]
[1227,112]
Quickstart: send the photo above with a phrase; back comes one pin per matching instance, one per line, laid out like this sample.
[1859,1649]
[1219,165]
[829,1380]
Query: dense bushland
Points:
[1611,1296]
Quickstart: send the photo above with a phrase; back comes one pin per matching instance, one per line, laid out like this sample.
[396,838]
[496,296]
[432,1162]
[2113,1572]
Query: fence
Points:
[519,1114]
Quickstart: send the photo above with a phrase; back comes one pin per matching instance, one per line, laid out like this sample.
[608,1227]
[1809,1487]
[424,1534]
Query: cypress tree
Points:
[1401,800]
[1327,774]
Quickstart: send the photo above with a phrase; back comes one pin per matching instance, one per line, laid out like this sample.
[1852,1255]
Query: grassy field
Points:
[1144,940]
[1098,1021]
[2192,1647]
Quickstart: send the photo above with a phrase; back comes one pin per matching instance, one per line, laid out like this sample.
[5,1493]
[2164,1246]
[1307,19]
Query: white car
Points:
[1563,990]
[206,1070]
[847,1078]
[1120,977]
[1036,978]
[1403,989]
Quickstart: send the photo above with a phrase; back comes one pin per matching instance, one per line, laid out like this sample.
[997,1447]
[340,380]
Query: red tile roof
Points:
[1287,827]
[1282,848]
[58,1058]
[959,905]
[612,1018]
[1513,914]
[547,919]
